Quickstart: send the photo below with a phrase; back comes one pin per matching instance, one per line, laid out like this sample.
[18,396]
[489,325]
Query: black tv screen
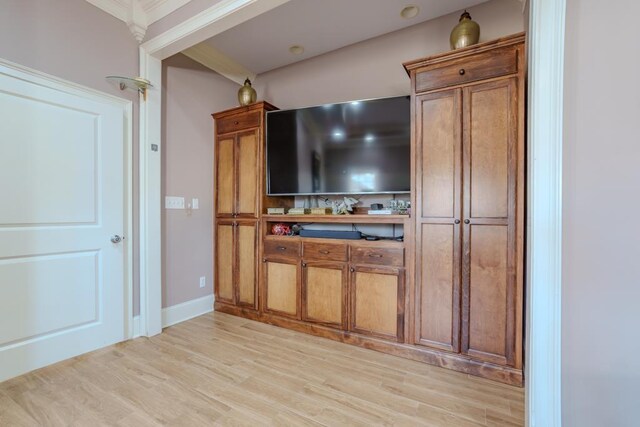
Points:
[358,147]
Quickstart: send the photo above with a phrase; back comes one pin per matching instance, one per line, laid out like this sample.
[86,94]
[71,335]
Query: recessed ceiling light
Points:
[296,49]
[409,12]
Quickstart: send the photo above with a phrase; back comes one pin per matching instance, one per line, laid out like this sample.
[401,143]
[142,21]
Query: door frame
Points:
[544,168]
[126,106]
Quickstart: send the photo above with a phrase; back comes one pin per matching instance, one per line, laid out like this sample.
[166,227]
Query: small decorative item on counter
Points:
[281,229]
[275,211]
[247,94]
[466,33]
[321,211]
[343,207]
[299,211]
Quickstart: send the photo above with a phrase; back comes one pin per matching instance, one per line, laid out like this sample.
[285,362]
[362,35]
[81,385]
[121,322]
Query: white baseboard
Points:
[187,310]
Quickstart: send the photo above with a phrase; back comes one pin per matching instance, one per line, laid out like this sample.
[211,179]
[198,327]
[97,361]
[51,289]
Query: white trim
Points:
[117,9]
[48,80]
[158,9]
[544,237]
[214,20]
[186,310]
[217,61]
[191,32]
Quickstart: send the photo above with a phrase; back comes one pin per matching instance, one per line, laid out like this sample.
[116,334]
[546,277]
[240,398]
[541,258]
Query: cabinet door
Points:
[377,302]
[225,176]
[438,197]
[324,292]
[248,151]
[282,291]
[225,262]
[490,154]
[246,241]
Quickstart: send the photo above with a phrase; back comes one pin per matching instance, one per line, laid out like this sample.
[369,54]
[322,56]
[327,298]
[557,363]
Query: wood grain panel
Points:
[440,153]
[246,241]
[487,293]
[224,262]
[325,251]
[375,297]
[439,290]
[285,247]
[489,139]
[282,287]
[393,257]
[238,122]
[247,174]
[225,197]
[498,62]
[323,290]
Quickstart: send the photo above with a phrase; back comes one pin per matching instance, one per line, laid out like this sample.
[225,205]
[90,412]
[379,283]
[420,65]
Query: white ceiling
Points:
[262,43]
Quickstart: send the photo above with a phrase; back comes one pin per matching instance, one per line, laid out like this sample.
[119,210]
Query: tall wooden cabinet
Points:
[238,194]
[468,196]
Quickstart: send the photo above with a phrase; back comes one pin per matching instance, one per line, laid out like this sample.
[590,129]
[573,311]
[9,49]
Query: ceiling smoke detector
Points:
[409,12]
[296,49]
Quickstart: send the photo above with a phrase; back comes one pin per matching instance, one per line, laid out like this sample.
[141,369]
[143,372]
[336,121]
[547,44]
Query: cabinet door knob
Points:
[281,248]
[466,221]
[461,72]
[236,122]
[457,221]
[352,269]
[324,252]
[304,264]
[264,260]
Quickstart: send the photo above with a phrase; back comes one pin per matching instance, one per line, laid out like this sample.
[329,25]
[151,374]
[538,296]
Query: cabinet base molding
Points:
[455,362]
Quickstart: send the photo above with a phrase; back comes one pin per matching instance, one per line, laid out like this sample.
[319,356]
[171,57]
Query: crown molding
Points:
[138,14]
[217,61]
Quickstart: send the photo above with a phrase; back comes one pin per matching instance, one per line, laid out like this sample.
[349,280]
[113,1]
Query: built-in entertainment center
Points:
[445,286]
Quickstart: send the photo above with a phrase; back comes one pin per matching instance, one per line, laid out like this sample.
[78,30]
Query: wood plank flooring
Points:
[223,370]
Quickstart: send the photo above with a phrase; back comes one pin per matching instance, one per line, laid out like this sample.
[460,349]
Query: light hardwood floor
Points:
[223,370]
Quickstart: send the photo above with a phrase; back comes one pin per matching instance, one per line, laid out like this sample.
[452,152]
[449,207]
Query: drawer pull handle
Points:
[375,255]
[236,123]
[324,252]
[281,248]
[461,72]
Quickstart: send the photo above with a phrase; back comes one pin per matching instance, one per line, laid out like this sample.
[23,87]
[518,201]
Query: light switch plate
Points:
[171,202]
[195,204]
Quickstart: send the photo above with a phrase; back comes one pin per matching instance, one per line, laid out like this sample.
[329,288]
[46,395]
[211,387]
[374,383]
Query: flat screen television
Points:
[357,147]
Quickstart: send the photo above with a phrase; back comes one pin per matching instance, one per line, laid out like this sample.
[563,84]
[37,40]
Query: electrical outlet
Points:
[173,202]
[203,282]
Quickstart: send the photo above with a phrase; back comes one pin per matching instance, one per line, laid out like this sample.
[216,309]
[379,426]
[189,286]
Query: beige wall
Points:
[190,94]
[373,68]
[601,234]
[76,41]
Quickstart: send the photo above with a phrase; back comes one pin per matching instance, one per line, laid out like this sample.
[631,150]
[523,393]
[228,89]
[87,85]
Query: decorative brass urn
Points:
[466,33]
[247,95]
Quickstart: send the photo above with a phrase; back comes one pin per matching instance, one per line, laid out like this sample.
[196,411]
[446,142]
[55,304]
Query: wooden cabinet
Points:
[377,301]
[282,286]
[238,193]
[235,261]
[469,201]
[324,293]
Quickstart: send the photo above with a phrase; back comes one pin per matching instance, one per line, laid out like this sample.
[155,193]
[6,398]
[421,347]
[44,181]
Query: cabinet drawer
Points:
[238,122]
[324,251]
[393,257]
[478,67]
[282,248]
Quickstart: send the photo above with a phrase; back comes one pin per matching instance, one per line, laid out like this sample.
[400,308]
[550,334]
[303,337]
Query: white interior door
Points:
[62,199]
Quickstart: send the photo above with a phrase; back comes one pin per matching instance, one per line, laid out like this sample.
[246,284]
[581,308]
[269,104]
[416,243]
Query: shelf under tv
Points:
[340,219]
